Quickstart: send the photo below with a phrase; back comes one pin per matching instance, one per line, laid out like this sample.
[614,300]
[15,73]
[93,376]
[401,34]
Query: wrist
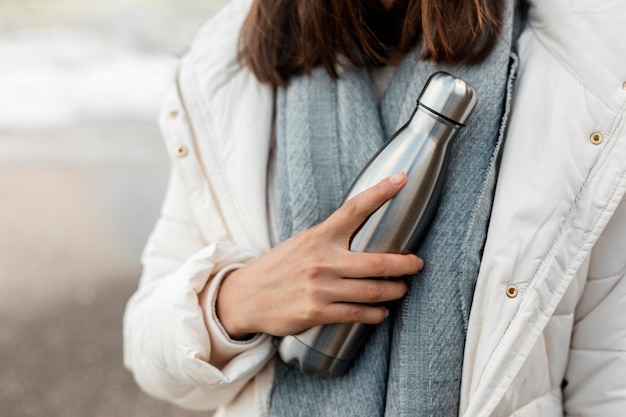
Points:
[229,311]
[224,347]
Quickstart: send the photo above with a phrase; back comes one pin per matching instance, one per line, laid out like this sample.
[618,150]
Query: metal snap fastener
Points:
[173,114]
[180,151]
[596,138]
[624,86]
[511,291]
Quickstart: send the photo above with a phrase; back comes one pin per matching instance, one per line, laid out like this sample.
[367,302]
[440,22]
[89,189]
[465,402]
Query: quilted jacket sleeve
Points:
[596,374]
[168,344]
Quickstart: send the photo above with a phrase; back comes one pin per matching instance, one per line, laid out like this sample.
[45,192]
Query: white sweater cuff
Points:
[223,347]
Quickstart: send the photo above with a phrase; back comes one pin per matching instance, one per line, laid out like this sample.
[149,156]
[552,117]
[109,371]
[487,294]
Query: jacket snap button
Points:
[511,291]
[173,114]
[596,138]
[180,151]
[624,86]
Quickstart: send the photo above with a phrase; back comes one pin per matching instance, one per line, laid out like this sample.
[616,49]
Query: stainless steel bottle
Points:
[419,148]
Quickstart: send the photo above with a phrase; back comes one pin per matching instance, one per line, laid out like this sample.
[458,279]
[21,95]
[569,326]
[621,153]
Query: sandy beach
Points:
[82,175]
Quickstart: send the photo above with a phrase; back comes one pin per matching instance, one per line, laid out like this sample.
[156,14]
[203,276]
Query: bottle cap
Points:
[449,97]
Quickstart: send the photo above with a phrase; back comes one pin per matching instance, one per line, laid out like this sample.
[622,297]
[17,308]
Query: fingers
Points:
[360,285]
[354,211]
[367,291]
[344,313]
[357,313]
[371,265]
[358,299]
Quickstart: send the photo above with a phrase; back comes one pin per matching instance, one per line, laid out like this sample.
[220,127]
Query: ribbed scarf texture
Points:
[326,132]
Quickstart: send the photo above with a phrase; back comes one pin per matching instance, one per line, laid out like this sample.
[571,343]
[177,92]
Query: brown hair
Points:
[282,38]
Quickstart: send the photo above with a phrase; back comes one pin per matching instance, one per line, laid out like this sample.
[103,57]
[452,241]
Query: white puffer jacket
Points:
[547,333]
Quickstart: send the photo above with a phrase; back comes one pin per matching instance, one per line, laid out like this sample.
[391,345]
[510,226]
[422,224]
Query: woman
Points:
[241,254]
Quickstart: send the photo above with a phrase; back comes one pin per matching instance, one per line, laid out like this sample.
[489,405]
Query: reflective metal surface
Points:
[420,150]
[449,96]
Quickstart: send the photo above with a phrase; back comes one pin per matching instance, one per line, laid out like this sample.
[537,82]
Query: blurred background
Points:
[82,175]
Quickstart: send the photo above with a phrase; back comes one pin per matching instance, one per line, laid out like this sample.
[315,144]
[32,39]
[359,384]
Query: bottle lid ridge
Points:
[448,96]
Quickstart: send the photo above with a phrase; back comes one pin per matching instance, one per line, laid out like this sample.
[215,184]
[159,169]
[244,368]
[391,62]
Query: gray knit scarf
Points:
[326,131]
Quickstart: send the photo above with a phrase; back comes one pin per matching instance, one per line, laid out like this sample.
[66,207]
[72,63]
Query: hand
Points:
[313,278]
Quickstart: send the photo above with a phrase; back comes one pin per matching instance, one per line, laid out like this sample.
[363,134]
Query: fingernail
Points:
[386,312]
[396,178]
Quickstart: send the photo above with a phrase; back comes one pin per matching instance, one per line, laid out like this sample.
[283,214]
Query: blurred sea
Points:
[63,61]
[82,175]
